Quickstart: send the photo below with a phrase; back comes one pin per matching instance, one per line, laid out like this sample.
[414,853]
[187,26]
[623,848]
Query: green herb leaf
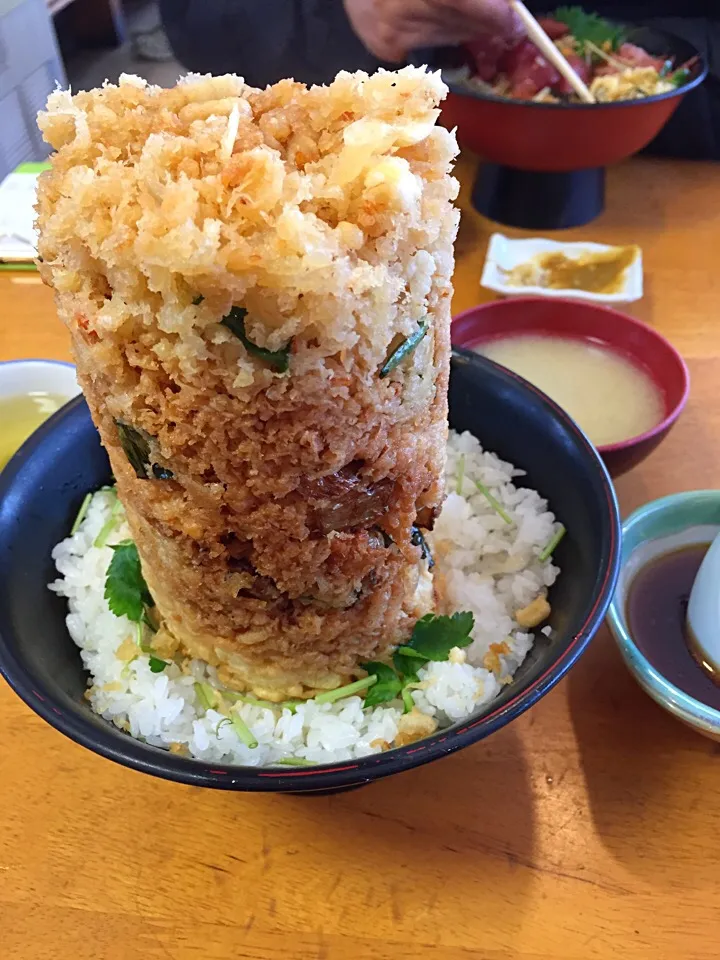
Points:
[494,503]
[277,359]
[460,475]
[406,347]
[591,27]
[387,685]
[198,300]
[434,637]
[81,514]
[549,548]
[408,661]
[126,592]
[136,448]
[680,77]
[156,665]
[349,690]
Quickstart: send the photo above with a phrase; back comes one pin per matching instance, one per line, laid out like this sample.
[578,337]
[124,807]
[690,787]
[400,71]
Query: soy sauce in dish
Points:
[656,614]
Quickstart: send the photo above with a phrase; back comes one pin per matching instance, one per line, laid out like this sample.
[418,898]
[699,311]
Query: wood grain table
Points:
[586,829]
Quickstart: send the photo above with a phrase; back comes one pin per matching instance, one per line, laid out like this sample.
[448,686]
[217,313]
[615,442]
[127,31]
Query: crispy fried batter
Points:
[280,547]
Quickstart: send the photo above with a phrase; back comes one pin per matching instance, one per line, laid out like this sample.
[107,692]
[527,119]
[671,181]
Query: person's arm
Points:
[311,40]
[265,40]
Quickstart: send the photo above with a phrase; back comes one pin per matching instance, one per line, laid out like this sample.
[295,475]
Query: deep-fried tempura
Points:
[273,509]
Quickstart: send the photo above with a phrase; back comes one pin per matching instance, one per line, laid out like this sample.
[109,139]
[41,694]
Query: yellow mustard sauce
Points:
[602,272]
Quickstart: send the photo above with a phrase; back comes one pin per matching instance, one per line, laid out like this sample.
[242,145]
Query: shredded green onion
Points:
[81,514]
[550,546]
[460,474]
[139,631]
[221,724]
[109,525]
[243,731]
[493,502]
[407,700]
[233,697]
[296,762]
[330,696]
[205,694]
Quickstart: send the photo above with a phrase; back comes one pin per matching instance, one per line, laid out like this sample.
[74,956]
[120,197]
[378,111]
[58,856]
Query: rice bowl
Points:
[256,590]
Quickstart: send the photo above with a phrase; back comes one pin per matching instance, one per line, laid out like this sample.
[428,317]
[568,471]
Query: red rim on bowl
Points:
[564,136]
[580,320]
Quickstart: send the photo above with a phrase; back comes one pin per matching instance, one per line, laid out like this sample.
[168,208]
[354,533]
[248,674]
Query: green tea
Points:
[20,415]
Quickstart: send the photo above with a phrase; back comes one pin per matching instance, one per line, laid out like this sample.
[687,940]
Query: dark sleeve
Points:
[265,40]
[693,131]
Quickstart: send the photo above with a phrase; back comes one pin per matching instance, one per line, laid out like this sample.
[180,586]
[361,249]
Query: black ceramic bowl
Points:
[43,485]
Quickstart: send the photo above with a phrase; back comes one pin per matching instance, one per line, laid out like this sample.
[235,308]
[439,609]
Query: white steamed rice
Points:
[483,564]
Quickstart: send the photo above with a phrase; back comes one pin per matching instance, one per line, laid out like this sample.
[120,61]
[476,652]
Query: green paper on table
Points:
[17,232]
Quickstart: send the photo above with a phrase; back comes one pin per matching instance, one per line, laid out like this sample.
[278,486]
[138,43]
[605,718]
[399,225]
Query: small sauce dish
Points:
[663,547]
[30,392]
[511,265]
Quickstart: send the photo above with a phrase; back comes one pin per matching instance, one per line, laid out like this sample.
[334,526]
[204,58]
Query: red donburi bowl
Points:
[561,136]
[601,325]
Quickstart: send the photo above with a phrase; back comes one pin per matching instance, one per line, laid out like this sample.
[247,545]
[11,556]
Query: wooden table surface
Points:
[586,829]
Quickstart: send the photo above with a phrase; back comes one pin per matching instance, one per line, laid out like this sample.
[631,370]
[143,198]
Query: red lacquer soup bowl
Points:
[602,326]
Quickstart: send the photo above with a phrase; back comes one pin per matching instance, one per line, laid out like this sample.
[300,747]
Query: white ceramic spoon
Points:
[703,614]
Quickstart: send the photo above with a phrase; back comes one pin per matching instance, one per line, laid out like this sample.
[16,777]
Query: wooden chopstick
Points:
[548,49]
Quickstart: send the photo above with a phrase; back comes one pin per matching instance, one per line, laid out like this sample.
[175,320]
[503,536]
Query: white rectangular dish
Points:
[505,254]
